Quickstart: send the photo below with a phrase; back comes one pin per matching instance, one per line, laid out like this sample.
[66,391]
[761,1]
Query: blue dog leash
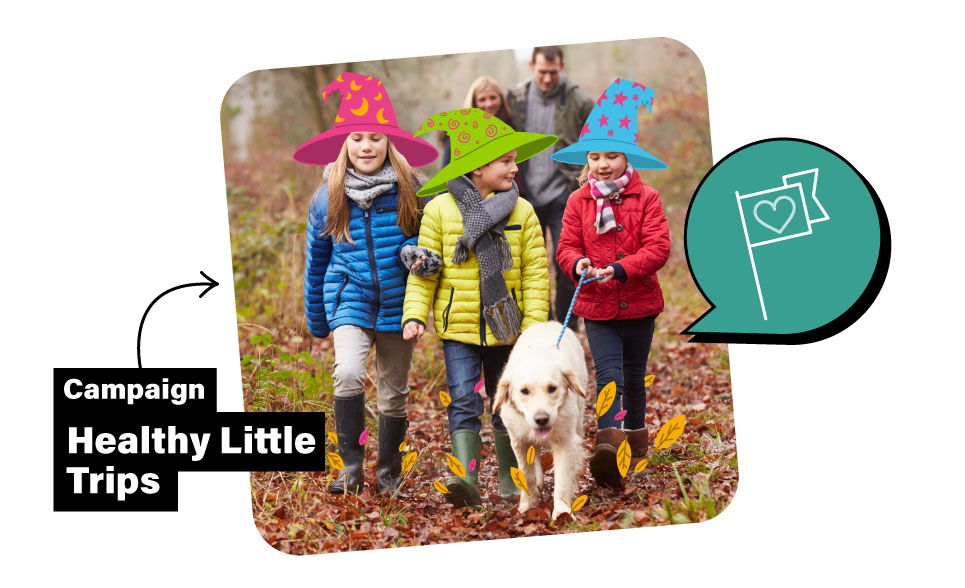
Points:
[566,321]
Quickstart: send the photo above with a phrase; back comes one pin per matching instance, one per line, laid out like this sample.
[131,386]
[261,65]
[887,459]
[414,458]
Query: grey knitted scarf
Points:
[482,222]
[363,189]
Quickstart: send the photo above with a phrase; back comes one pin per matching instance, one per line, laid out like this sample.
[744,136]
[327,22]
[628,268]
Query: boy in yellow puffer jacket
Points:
[493,281]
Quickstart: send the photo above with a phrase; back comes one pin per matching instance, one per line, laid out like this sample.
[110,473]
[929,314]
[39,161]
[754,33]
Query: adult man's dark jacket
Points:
[572,109]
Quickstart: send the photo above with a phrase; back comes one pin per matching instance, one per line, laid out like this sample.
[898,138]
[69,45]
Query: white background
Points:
[113,190]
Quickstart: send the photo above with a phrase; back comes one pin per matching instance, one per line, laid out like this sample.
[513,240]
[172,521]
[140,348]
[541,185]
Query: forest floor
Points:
[693,480]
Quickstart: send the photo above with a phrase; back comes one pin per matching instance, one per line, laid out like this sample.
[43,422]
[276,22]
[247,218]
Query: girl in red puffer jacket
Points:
[614,227]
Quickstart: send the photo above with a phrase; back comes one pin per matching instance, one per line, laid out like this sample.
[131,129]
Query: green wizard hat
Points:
[477,138]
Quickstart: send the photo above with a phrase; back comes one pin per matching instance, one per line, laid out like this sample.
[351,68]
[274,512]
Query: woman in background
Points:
[486,94]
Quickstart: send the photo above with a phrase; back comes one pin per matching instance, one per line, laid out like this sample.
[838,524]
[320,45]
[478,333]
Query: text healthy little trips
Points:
[119,432]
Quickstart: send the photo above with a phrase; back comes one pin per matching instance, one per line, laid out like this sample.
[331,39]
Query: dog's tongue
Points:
[542,432]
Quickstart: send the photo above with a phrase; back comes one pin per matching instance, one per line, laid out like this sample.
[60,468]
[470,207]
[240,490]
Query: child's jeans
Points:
[464,363]
[393,355]
[620,350]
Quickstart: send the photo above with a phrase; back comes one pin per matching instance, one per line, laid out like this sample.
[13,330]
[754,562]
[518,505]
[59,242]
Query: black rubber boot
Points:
[505,459]
[349,423]
[388,470]
[464,491]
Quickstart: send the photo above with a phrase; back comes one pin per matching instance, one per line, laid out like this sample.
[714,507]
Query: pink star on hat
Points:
[620,135]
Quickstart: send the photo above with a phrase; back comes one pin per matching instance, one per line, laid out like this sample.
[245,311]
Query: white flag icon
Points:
[779,214]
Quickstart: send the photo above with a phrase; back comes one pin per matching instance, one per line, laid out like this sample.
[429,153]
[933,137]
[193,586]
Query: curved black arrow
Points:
[210,284]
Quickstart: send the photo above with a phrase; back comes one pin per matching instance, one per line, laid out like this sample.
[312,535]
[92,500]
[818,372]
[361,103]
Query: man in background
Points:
[550,104]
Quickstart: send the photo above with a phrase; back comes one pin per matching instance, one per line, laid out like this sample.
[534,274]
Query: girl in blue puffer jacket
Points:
[363,225]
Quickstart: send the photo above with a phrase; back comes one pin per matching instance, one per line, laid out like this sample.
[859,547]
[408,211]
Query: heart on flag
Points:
[774,215]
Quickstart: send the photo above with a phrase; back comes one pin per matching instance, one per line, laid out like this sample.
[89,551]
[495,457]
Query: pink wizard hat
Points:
[365,108]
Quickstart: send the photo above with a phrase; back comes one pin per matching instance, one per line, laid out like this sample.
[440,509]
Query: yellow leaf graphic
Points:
[333,438]
[445,398]
[440,487]
[402,446]
[623,458]
[670,432]
[519,479]
[604,400]
[408,462]
[578,503]
[648,380]
[335,460]
[530,454]
[456,466]
[641,466]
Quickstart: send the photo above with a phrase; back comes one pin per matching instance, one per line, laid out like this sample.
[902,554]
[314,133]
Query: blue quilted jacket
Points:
[340,286]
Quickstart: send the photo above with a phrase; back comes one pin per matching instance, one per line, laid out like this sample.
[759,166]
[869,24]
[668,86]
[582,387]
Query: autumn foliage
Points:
[691,471]
[691,479]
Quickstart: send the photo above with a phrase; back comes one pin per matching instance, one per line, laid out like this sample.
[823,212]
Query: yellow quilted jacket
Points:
[454,292]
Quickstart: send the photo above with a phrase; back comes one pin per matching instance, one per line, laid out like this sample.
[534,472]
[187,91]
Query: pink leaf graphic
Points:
[620,415]
[364,437]
[479,386]
[472,464]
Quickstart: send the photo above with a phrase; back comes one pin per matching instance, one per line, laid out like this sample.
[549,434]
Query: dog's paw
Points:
[524,503]
[560,508]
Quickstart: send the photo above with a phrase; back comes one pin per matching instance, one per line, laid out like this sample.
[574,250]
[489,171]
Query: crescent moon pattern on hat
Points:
[357,92]
[365,107]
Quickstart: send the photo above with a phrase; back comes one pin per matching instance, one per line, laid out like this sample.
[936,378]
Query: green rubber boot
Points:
[464,491]
[505,459]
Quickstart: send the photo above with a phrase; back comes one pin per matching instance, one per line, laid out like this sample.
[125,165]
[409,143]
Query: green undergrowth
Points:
[279,381]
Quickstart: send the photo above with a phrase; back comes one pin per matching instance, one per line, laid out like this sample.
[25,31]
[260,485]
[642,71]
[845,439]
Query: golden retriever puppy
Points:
[541,397]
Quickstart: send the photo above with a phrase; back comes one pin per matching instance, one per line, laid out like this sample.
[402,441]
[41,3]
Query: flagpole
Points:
[750,253]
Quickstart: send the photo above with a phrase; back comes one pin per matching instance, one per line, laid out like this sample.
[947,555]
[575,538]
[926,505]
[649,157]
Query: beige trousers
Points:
[393,356]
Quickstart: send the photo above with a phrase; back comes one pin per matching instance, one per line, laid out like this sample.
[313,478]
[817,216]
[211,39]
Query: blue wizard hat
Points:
[612,126]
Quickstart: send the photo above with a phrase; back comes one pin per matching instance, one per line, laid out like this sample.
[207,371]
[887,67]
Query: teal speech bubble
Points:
[787,241]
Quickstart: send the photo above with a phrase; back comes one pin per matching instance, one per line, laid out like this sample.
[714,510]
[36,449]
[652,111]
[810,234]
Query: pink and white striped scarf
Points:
[604,192]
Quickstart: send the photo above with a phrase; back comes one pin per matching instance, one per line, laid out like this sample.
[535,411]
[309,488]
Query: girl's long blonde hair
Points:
[338,206]
[584,174]
[487,82]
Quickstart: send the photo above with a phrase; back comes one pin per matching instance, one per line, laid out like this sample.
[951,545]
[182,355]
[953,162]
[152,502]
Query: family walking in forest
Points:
[385,245]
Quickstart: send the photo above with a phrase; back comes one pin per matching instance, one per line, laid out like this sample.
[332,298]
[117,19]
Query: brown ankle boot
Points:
[639,442]
[603,459]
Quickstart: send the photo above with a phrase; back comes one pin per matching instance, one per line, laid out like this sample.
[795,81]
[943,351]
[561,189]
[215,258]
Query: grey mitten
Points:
[410,254]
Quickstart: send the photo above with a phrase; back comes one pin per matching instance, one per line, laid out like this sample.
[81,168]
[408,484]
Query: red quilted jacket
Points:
[640,243]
